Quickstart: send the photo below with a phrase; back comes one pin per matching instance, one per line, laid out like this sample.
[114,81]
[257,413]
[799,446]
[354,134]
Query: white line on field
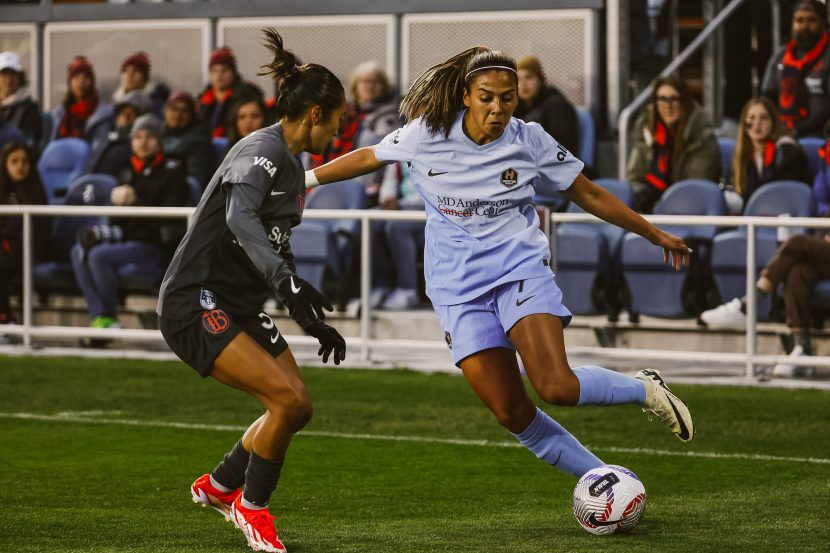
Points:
[70,416]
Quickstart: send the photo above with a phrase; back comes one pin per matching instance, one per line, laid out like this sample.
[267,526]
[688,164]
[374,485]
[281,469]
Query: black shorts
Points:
[199,342]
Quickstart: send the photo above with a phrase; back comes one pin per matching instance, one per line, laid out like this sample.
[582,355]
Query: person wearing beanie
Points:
[150,179]
[135,76]
[224,88]
[81,114]
[111,153]
[544,104]
[16,103]
[187,139]
[797,77]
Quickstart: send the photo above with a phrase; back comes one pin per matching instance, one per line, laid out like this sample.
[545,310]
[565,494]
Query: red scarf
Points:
[74,119]
[139,165]
[824,153]
[341,144]
[792,95]
[659,175]
[208,99]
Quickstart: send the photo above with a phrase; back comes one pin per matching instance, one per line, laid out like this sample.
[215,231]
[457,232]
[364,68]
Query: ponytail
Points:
[438,94]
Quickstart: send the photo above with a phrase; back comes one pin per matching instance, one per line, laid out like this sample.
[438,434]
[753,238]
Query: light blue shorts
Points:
[483,323]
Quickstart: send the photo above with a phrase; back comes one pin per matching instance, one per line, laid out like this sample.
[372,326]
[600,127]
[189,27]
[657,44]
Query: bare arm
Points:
[356,163]
[596,200]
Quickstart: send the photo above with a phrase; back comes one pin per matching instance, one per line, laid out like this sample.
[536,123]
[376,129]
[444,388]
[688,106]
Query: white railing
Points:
[750,358]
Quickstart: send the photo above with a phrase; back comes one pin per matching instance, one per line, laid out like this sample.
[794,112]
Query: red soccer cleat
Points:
[258,526]
[207,496]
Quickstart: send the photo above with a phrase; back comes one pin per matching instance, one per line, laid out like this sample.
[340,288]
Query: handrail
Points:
[689,51]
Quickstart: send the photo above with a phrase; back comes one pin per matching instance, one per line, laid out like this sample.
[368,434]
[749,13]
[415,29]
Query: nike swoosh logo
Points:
[434,174]
[294,287]
[520,302]
[593,520]
[275,338]
[277,192]
[684,432]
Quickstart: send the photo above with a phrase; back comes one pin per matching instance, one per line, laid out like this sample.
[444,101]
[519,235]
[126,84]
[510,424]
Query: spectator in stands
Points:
[764,152]
[16,103]
[798,264]
[545,104]
[821,184]
[187,139]
[673,140]
[135,76]
[797,77]
[246,116]
[81,115]
[19,185]
[151,179]
[111,153]
[224,89]
[375,99]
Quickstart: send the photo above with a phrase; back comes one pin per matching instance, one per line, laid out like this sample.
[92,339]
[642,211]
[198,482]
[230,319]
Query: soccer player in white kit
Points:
[486,261]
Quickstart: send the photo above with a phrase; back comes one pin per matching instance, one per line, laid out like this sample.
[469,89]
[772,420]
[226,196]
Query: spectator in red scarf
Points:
[81,115]
[673,141]
[797,78]
[225,87]
[135,76]
[764,152]
[187,139]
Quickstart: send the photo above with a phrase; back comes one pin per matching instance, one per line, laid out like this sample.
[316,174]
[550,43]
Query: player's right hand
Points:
[305,303]
[330,342]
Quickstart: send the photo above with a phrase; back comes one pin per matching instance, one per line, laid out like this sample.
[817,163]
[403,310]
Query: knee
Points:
[511,417]
[563,391]
[293,406]
[795,243]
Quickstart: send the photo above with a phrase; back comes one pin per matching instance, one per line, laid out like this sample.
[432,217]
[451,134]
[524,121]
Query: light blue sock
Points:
[550,442]
[598,386]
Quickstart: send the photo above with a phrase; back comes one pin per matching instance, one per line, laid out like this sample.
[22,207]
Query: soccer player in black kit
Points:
[234,256]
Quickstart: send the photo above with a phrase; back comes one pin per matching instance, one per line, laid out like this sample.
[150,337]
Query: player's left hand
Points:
[330,342]
[675,250]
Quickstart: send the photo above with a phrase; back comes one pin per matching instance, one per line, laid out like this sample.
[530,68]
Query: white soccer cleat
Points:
[728,315]
[665,406]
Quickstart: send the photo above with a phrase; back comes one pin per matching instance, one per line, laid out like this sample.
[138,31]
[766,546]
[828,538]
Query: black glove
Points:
[330,341]
[305,304]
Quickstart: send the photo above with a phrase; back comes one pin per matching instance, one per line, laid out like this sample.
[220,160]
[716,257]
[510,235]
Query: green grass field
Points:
[103,470]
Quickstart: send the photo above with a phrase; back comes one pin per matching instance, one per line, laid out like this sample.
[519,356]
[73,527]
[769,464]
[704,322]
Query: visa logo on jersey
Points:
[266,164]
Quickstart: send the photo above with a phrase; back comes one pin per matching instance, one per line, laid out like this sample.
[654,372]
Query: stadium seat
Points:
[220,148]
[555,201]
[729,248]
[196,190]
[56,273]
[811,147]
[656,288]
[587,135]
[587,257]
[311,245]
[727,152]
[60,163]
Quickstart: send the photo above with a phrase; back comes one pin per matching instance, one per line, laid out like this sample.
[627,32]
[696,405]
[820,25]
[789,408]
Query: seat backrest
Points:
[811,147]
[60,163]
[220,147]
[587,135]
[727,152]
[339,195]
[692,197]
[93,189]
[196,191]
[619,188]
[785,196]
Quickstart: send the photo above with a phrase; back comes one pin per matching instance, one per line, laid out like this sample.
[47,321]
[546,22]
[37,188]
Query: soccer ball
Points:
[609,499]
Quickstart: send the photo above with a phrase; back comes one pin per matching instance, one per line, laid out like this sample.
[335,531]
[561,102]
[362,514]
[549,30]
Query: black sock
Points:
[261,480]
[759,295]
[230,472]
[803,340]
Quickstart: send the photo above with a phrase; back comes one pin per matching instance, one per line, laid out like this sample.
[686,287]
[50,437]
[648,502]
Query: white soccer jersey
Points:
[482,229]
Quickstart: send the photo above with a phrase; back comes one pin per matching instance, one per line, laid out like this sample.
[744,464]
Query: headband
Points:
[504,67]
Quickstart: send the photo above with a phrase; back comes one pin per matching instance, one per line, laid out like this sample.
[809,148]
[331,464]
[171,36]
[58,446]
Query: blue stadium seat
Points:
[811,146]
[587,135]
[220,148]
[656,288]
[56,273]
[587,256]
[312,248]
[554,201]
[60,163]
[821,294]
[727,152]
[196,190]
[729,248]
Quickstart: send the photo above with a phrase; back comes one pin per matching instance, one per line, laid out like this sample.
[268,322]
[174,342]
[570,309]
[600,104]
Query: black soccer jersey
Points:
[236,249]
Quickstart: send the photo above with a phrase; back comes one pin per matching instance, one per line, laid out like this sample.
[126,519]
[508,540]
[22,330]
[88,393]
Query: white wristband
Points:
[311,179]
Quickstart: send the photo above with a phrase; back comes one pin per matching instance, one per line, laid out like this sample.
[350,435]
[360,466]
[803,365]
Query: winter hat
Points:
[819,8]
[139,60]
[10,60]
[223,55]
[135,99]
[149,122]
[532,64]
[184,97]
[80,65]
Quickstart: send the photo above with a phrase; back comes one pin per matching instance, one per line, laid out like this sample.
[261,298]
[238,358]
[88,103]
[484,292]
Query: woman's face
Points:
[491,100]
[758,123]
[9,83]
[529,85]
[177,115]
[249,117]
[132,79]
[221,76]
[80,85]
[669,105]
[18,165]
[323,129]
[367,88]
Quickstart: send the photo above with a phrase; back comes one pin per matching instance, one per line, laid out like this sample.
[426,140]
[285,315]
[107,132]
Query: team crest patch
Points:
[207,299]
[215,321]
[509,178]
[448,339]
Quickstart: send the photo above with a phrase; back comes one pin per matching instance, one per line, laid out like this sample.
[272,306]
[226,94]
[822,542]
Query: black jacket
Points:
[556,115]
[191,146]
[25,114]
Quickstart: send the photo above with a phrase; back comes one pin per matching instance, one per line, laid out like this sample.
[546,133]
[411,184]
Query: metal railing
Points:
[749,358]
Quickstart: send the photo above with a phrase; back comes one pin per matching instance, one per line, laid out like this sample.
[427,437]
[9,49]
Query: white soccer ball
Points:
[609,499]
